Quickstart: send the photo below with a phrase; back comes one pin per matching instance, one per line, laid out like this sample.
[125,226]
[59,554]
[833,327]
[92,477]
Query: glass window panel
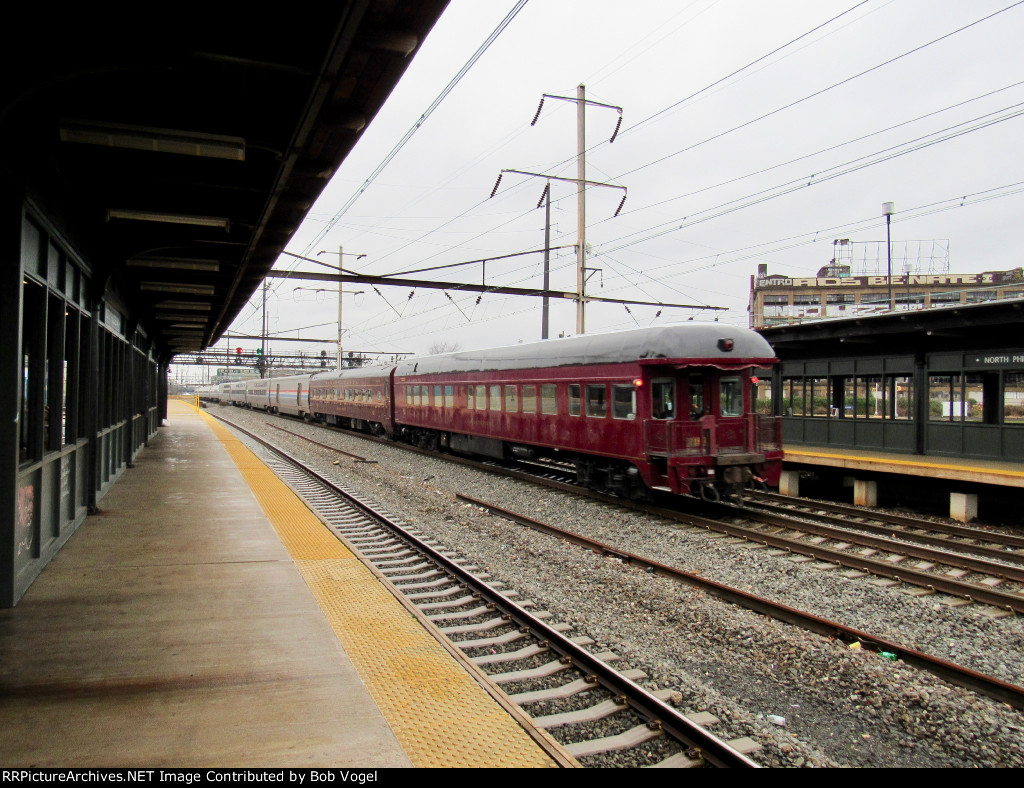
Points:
[449,396]
[495,392]
[597,401]
[663,398]
[1013,398]
[974,398]
[529,399]
[941,404]
[512,399]
[574,399]
[696,396]
[817,391]
[548,399]
[623,401]
[481,397]
[470,398]
[730,401]
[438,401]
[874,398]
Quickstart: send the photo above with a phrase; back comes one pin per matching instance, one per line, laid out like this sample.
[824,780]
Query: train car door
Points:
[657,435]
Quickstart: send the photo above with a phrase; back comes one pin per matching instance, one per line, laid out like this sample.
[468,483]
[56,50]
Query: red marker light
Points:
[754,381]
[638,382]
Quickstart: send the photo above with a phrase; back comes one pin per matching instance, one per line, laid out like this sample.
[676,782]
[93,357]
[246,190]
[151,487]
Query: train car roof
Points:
[689,341]
[371,371]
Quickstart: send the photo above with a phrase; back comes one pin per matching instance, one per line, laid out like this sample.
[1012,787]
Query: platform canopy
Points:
[176,148]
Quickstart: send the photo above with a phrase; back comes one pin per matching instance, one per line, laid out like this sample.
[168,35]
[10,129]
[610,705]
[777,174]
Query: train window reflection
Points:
[730,401]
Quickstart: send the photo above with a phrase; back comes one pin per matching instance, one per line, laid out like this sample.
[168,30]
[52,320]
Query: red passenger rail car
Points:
[667,408]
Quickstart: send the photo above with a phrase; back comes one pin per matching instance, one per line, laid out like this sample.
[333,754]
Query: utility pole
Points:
[341,258]
[581,210]
[263,335]
[581,186]
[547,263]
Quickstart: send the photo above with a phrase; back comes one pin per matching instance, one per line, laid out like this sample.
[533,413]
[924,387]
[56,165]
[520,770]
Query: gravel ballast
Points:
[840,706]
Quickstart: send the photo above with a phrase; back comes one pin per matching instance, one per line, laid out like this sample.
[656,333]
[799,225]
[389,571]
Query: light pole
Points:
[887,211]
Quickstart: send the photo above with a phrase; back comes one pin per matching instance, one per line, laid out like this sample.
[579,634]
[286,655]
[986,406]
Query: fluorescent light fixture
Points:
[168,218]
[183,317]
[167,287]
[174,262]
[195,306]
[146,138]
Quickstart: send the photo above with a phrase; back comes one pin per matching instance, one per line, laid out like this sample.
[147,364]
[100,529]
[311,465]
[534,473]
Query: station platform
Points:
[957,469]
[206,618]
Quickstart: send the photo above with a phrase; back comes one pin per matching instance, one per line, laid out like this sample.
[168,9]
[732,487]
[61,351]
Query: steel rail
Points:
[897,519]
[950,586]
[660,715]
[790,520]
[990,686]
[879,527]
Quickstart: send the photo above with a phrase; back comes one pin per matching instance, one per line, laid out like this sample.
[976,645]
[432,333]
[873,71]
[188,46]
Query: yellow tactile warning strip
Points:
[441,716]
[906,463]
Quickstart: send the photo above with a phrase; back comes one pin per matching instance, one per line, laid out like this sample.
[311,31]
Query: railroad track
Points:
[999,546]
[961,578]
[1002,691]
[588,707]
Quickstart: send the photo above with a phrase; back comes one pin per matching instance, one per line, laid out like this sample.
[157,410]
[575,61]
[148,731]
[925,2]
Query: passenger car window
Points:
[574,399]
[623,401]
[512,399]
[548,399]
[663,396]
[597,401]
[529,399]
[731,397]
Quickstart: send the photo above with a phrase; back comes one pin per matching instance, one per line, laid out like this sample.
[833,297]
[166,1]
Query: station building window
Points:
[899,402]
[1013,398]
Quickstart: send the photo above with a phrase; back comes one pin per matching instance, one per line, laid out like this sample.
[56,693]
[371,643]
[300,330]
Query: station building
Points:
[780,300]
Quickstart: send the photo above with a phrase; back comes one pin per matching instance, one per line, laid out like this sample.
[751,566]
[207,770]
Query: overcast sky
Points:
[767,166]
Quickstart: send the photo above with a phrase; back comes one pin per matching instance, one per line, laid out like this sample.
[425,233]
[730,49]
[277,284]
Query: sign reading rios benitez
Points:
[924,280]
